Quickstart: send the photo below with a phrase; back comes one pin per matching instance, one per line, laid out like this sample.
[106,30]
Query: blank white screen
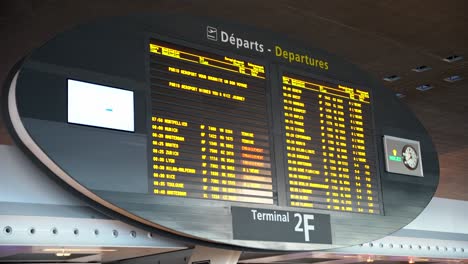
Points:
[100,106]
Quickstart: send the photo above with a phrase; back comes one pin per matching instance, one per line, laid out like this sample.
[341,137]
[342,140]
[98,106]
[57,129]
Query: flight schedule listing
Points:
[329,147]
[209,126]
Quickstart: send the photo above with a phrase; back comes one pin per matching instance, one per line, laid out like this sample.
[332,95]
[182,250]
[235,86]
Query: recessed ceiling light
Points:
[391,78]
[422,259]
[78,250]
[452,58]
[421,68]
[453,78]
[63,254]
[400,95]
[424,87]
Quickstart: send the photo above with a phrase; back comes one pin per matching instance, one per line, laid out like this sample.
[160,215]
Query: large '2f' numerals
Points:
[303,224]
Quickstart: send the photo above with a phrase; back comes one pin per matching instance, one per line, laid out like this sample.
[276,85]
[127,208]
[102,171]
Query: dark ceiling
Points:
[383,37]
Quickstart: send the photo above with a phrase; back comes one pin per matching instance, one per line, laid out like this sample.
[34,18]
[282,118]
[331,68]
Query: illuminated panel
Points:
[209,126]
[101,106]
[329,146]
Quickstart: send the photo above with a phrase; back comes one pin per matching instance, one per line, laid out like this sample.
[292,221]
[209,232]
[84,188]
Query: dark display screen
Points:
[209,126]
[329,146]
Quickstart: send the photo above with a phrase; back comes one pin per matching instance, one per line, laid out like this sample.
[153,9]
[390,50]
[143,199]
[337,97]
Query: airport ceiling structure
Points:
[420,47]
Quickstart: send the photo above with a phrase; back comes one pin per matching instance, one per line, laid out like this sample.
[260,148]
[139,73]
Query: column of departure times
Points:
[209,126]
[336,164]
[363,176]
[329,147]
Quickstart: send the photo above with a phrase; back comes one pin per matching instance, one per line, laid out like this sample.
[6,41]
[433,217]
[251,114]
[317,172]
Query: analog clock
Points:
[410,157]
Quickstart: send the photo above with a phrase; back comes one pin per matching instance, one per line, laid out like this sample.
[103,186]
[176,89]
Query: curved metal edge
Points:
[22,136]
[27,144]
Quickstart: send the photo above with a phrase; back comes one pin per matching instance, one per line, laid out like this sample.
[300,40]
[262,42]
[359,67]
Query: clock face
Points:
[410,157]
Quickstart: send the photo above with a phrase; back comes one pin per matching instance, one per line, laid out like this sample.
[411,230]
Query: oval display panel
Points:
[223,134]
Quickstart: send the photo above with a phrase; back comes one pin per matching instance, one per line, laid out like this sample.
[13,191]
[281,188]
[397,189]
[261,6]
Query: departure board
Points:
[329,146]
[221,133]
[209,126]
[210,136]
